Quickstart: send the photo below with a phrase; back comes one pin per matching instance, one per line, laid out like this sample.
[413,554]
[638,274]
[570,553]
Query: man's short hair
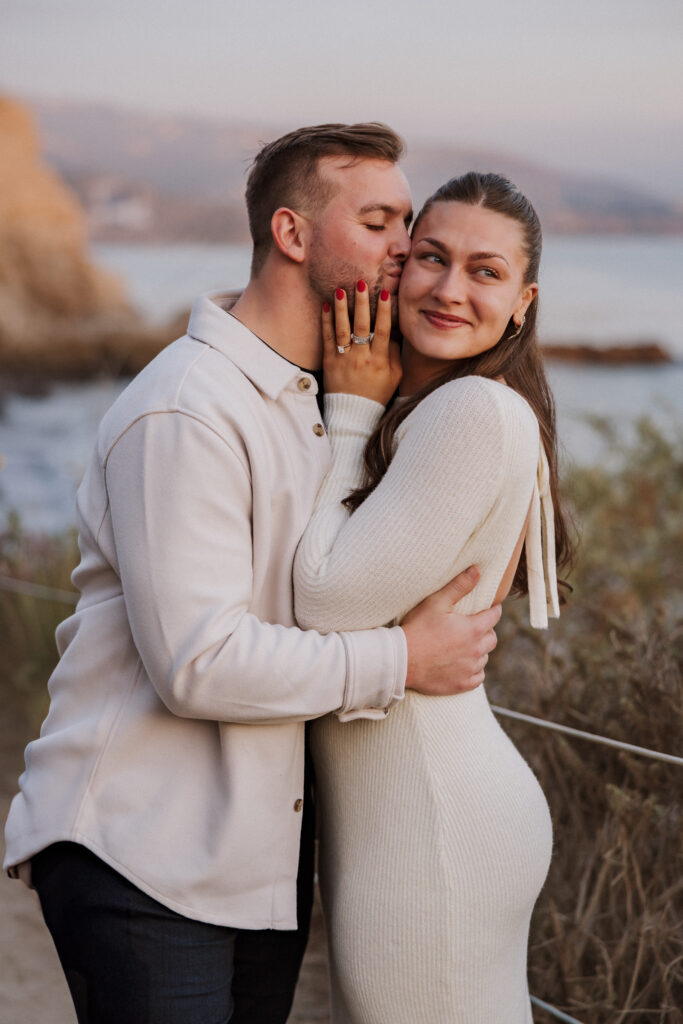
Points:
[285,172]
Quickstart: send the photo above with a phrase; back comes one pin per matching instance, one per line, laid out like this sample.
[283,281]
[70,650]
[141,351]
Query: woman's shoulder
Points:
[478,401]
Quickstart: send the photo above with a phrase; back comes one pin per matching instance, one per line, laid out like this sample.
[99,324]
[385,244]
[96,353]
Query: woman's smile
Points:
[461,286]
[443,321]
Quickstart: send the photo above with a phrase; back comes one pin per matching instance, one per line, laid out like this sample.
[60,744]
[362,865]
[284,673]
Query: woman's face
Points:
[463,281]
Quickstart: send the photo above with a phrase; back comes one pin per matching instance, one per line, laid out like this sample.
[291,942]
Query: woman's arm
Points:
[456,452]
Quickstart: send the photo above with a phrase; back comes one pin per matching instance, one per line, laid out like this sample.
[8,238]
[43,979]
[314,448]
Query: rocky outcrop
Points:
[57,310]
[638,352]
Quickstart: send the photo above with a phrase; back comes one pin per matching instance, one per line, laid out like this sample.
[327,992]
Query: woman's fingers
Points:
[380,342]
[359,369]
[395,362]
[329,339]
[342,327]
[361,311]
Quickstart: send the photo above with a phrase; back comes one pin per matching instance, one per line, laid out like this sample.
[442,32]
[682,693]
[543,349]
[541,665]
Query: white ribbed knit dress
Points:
[435,835]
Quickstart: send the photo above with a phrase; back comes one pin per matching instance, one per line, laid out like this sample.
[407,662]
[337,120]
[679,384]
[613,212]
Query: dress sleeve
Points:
[407,539]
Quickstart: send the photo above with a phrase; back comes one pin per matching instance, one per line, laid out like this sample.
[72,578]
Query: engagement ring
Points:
[341,349]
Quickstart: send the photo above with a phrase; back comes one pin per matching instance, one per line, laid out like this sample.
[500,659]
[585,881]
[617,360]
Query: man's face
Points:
[362,233]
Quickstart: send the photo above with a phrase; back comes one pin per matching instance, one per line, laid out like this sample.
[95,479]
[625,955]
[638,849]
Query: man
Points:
[161,809]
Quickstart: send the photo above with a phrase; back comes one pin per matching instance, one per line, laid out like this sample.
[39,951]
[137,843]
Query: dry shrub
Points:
[28,624]
[607,934]
[606,943]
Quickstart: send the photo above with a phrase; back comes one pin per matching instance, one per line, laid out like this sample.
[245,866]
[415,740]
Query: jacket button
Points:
[298,804]
[303,383]
[318,430]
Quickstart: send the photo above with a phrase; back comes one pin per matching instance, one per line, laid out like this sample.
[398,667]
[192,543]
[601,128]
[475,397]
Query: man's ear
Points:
[290,233]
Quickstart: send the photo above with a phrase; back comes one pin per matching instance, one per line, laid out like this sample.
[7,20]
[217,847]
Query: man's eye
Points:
[375,227]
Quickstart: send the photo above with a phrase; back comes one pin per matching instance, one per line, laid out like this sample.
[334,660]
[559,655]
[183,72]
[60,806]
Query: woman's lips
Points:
[444,321]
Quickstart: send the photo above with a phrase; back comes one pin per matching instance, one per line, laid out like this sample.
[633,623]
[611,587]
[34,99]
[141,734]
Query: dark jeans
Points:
[130,960]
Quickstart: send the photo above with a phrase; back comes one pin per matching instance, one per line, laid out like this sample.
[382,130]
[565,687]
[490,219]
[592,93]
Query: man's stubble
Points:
[326,273]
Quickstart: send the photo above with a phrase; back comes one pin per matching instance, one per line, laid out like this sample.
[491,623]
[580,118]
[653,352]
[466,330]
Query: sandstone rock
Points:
[48,287]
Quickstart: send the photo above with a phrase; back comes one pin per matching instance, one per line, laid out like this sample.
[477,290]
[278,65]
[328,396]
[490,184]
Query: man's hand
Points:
[447,651]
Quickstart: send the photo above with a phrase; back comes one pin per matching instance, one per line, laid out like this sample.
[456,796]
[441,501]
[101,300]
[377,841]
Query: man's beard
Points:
[326,274]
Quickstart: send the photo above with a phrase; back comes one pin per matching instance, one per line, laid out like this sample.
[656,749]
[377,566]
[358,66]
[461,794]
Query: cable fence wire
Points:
[37,590]
[42,592]
[544,723]
[553,1011]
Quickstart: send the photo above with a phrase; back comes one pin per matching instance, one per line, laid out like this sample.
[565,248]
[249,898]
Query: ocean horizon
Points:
[593,289]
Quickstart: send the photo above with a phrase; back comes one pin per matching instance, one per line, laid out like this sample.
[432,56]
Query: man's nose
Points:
[399,249]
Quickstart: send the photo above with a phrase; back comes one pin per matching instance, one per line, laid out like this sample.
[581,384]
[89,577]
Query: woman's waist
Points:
[462,720]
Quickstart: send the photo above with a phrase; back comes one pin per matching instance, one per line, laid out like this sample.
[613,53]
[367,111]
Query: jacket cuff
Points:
[377,665]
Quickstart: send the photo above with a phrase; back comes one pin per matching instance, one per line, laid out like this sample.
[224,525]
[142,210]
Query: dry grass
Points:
[27,624]
[607,938]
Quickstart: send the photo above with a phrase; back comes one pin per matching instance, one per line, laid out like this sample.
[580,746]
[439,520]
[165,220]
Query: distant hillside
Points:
[166,177]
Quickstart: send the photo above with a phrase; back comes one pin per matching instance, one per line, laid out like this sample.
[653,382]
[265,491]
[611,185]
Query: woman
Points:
[436,837]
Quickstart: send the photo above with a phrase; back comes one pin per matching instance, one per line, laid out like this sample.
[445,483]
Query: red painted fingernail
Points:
[384,295]
[361,286]
[326,307]
[339,293]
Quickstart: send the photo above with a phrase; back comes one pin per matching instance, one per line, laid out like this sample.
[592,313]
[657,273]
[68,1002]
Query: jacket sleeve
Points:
[180,504]
[419,526]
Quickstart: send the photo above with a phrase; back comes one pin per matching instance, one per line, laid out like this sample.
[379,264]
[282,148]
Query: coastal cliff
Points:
[59,314]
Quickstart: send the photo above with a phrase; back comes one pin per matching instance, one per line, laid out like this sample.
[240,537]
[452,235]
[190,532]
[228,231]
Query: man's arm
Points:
[181,506]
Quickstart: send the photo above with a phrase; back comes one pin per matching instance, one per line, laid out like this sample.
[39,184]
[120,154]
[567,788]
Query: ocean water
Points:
[593,289]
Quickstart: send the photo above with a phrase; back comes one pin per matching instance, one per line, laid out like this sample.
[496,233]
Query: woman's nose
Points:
[450,286]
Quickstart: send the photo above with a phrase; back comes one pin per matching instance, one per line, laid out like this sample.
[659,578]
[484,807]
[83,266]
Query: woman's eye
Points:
[431,257]
[486,271]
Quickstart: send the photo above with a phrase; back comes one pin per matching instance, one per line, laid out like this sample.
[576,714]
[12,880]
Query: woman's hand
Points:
[371,369]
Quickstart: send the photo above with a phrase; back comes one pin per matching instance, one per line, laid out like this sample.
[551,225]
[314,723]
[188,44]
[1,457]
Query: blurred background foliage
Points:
[607,939]
[607,933]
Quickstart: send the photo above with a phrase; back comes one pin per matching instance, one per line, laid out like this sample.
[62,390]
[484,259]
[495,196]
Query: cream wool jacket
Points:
[174,744]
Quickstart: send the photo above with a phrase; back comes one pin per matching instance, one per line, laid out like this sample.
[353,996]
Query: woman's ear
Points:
[290,233]
[525,300]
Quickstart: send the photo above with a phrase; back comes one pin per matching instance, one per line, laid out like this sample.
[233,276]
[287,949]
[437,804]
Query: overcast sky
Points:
[592,85]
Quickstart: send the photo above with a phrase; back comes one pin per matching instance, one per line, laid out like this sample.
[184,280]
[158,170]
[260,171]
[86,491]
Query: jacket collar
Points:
[212,324]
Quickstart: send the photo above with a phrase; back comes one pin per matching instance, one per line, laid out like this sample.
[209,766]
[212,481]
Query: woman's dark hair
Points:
[516,357]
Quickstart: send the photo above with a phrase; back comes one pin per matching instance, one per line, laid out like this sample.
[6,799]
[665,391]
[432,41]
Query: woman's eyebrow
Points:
[471,258]
[487,256]
[432,241]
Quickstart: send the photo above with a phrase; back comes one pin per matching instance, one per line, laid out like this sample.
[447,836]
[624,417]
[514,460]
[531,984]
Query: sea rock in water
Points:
[616,354]
[58,312]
